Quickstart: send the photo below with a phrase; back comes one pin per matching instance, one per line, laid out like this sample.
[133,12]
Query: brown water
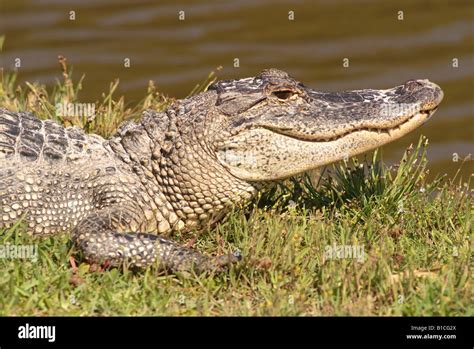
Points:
[382,50]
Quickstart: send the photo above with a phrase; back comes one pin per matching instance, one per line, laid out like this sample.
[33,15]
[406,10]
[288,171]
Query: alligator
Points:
[183,169]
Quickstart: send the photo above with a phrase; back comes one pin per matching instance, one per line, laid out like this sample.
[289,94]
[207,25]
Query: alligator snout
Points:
[426,92]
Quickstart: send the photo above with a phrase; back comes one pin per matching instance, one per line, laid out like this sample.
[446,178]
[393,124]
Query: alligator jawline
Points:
[388,130]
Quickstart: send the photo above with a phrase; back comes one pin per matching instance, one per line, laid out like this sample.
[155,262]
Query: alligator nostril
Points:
[412,85]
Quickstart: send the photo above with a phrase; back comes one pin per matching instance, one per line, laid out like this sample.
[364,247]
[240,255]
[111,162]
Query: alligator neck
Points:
[178,171]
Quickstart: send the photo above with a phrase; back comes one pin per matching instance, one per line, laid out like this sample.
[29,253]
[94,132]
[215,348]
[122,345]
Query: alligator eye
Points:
[283,94]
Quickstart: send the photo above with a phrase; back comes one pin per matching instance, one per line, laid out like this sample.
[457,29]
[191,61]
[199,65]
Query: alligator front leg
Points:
[103,236]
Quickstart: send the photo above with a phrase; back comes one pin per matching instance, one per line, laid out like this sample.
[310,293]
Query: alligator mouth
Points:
[417,118]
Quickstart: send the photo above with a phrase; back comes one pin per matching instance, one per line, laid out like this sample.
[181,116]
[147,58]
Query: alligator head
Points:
[272,126]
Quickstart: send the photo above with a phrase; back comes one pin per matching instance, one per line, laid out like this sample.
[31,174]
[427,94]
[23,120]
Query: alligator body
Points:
[183,169]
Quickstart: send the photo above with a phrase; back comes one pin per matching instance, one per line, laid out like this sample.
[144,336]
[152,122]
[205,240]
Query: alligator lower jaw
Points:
[290,156]
[378,137]
[394,132]
[362,140]
[406,126]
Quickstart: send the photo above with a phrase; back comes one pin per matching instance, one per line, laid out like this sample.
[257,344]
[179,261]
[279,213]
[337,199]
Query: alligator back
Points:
[47,172]
[25,138]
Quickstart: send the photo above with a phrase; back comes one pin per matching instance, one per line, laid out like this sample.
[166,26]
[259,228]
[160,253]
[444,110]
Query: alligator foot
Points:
[99,238]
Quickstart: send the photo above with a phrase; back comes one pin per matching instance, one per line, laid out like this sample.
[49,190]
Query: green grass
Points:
[414,234]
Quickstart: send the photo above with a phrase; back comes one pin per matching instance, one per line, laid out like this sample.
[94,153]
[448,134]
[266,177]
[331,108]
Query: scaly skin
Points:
[185,168]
